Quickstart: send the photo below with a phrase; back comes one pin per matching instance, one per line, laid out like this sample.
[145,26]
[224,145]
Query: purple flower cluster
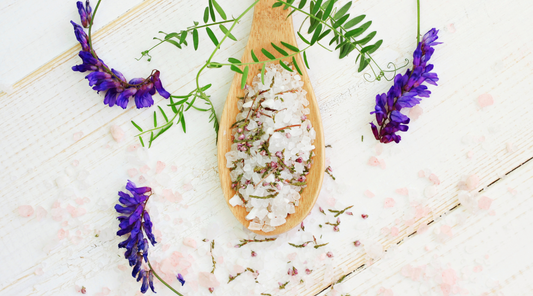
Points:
[118,89]
[406,92]
[135,221]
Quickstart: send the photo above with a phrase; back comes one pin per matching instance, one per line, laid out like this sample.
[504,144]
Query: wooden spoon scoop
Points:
[271,25]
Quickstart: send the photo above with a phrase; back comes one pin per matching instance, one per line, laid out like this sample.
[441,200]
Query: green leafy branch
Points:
[325,19]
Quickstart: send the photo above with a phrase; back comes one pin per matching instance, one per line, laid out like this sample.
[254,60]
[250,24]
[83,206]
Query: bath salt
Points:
[117,133]
[272,150]
[25,211]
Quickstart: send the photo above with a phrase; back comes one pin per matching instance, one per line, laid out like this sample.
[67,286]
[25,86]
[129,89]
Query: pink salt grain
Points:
[402,191]
[433,178]
[382,164]
[174,168]
[75,163]
[122,267]
[421,174]
[472,182]
[470,154]
[394,231]
[145,169]
[389,203]
[78,212]
[415,112]
[133,147]
[485,100]
[446,230]
[478,268]
[449,276]
[26,211]
[76,136]
[492,213]
[40,213]
[208,280]
[369,193]
[79,200]
[159,167]
[373,161]
[451,28]
[187,187]
[132,172]
[484,203]
[38,271]
[117,133]
[189,242]
[379,149]
[61,234]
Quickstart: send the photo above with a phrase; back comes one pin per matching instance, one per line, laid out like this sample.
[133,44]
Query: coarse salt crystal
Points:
[485,100]
[389,203]
[117,133]
[25,211]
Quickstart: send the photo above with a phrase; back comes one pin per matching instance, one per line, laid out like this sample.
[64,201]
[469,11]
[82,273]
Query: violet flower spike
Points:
[102,78]
[136,222]
[406,92]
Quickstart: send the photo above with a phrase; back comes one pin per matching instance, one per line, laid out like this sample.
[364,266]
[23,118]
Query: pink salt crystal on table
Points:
[238,268]
[407,270]
[117,133]
[451,28]
[394,231]
[510,147]
[208,280]
[409,222]
[145,169]
[484,203]
[433,178]
[385,230]
[445,289]
[449,276]
[25,211]
[478,268]
[78,212]
[159,167]
[79,200]
[187,187]
[106,291]
[122,267]
[485,100]
[172,196]
[389,203]
[446,230]
[75,163]
[373,161]
[189,242]
[402,191]
[70,209]
[492,213]
[38,271]
[132,172]
[470,154]
[76,136]
[291,256]
[421,174]
[369,193]
[40,213]
[415,112]
[133,147]
[382,164]
[61,234]
[388,292]
[472,182]
[174,168]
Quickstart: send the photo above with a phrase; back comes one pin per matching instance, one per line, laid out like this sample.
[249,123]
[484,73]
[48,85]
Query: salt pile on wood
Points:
[272,148]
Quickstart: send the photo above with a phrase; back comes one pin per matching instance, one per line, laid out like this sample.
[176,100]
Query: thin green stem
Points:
[89,39]
[418,17]
[161,280]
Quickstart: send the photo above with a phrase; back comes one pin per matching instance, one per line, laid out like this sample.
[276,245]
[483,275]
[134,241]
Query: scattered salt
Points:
[25,211]
[485,100]
[160,166]
[373,161]
[415,112]
[117,133]
[369,193]
[389,203]
[77,136]
[421,174]
[132,172]
[433,178]
[484,203]
[189,242]
[472,182]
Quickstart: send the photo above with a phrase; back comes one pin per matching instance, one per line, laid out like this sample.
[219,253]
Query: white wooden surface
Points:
[487,49]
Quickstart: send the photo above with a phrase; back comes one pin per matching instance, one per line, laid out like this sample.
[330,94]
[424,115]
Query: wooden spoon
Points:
[271,25]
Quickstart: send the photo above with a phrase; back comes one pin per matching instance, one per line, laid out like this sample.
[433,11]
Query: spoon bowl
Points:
[271,25]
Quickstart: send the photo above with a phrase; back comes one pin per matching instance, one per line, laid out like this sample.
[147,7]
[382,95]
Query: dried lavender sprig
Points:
[212,257]
[337,213]
[102,78]
[232,278]
[247,241]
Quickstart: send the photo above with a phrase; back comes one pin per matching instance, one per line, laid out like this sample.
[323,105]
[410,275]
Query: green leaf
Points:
[226,32]
[291,47]
[282,64]
[324,34]
[234,61]
[236,69]
[365,40]
[244,77]
[371,48]
[289,3]
[302,4]
[314,24]
[214,65]
[141,140]
[318,30]
[172,106]
[316,7]
[356,32]
[206,15]
[346,49]
[268,54]
[195,38]
[340,21]
[171,35]
[183,126]
[136,126]
[363,63]
[303,38]
[283,52]
[174,42]
[163,113]
[212,11]
[356,20]
[263,69]
[277,4]
[341,12]
[212,36]
[151,139]
[206,87]
[305,60]
[296,66]
[219,10]
[161,131]
[329,8]
[254,57]
[155,119]
[334,39]
[183,37]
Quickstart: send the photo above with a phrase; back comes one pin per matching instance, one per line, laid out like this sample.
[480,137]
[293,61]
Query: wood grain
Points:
[271,25]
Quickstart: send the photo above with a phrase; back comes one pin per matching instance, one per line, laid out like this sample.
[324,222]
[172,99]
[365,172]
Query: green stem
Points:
[418,17]
[268,61]
[89,39]
[161,280]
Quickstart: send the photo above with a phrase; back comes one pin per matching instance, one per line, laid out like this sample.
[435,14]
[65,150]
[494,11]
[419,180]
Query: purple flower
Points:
[180,279]
[136,222]
[406,92]
[118,89]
